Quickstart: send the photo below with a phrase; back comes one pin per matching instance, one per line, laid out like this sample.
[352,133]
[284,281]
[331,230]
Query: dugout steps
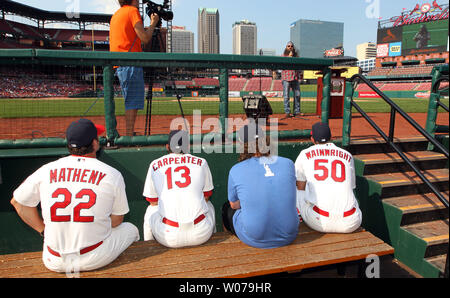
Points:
[416,221]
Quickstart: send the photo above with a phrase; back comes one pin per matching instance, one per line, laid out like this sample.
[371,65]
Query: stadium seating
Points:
[417,70]
[35,84]
[236,84]
[256,83]
[184,83]
[206,82]
[398,86]
[364,87]
[424,86]
[277,85]
[401,71]
[379,71]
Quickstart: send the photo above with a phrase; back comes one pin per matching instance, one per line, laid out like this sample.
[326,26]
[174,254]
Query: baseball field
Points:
[24,118]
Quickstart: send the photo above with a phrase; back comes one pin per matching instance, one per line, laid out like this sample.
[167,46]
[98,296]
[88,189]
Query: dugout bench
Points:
[223,256]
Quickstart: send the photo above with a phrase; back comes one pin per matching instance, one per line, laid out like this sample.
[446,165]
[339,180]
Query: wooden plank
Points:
[417,202]
[223,255]
[293,263]
[221,260]
[433,232]
[406,178]
[382,158]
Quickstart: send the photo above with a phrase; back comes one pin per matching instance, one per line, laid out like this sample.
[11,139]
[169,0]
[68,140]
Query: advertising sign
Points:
[395,49]
[383,50]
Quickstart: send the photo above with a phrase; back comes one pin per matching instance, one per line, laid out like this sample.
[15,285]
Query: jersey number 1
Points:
[185,174]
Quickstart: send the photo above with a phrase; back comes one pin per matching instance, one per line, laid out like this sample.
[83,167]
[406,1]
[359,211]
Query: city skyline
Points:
[360,17]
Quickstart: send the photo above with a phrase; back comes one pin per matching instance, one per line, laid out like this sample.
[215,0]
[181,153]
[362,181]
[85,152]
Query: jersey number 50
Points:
[322,165]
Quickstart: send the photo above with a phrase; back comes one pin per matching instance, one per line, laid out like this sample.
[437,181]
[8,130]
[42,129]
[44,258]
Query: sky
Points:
[272,18]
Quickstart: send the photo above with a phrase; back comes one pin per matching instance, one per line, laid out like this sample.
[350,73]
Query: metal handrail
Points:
[395,108]
[389,139]
[435,89]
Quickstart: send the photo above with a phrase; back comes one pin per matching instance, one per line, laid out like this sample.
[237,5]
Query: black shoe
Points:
[287,115]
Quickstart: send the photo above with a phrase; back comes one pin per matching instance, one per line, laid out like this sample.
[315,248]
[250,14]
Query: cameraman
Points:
[126,34]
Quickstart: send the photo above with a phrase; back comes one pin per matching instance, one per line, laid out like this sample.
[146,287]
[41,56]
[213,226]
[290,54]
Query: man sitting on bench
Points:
[178,187]
[325,182]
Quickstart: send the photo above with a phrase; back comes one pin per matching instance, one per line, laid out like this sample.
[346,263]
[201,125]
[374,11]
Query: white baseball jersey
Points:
[77,196]
[330,175]
[178,182]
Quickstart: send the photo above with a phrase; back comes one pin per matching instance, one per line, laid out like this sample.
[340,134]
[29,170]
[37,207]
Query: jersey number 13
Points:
[185,175]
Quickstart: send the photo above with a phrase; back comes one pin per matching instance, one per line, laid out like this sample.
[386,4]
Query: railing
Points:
[107,61]
[439,75]
[349,103]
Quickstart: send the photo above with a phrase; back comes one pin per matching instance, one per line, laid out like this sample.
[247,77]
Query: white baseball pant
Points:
[176,235]
[121,238]
[328,223]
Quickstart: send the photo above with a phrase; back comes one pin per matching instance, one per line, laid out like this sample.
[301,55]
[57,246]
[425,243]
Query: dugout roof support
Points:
[42,16]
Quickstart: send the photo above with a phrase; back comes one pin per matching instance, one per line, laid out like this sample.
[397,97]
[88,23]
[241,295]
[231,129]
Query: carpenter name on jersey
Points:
[188,159]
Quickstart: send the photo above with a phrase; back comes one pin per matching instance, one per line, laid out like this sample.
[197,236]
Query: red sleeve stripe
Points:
[208,193]
[152,200]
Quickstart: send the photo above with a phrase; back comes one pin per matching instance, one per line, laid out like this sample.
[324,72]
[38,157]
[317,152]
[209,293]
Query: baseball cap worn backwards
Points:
[178,140]
[82,132]
[321,132]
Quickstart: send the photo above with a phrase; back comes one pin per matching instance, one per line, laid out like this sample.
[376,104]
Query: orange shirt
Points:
[121,30]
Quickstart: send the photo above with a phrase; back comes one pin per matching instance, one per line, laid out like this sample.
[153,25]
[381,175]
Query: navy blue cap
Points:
[321,132]
[82,132]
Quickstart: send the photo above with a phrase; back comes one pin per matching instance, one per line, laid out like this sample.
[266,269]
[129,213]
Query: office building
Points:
[312,38]
[208,31]
[182,40]
[244,38]
[366,51]
[366,65]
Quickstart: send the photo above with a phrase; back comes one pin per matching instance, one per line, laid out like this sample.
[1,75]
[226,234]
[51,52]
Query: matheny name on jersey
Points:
[76,175]
[328,152]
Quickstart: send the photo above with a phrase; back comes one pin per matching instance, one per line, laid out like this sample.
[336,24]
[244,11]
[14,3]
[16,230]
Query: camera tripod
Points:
[157,45]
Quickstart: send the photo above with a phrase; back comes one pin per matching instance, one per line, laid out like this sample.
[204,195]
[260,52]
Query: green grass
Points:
[21,108]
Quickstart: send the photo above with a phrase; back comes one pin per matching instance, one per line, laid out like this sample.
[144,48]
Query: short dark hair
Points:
[81,151]
[125,2]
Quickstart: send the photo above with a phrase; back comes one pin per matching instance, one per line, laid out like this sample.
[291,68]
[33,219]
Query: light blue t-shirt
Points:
[266,190]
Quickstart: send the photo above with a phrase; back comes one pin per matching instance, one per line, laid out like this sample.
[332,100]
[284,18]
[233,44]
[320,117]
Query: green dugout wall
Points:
[20,157]
[132,162]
